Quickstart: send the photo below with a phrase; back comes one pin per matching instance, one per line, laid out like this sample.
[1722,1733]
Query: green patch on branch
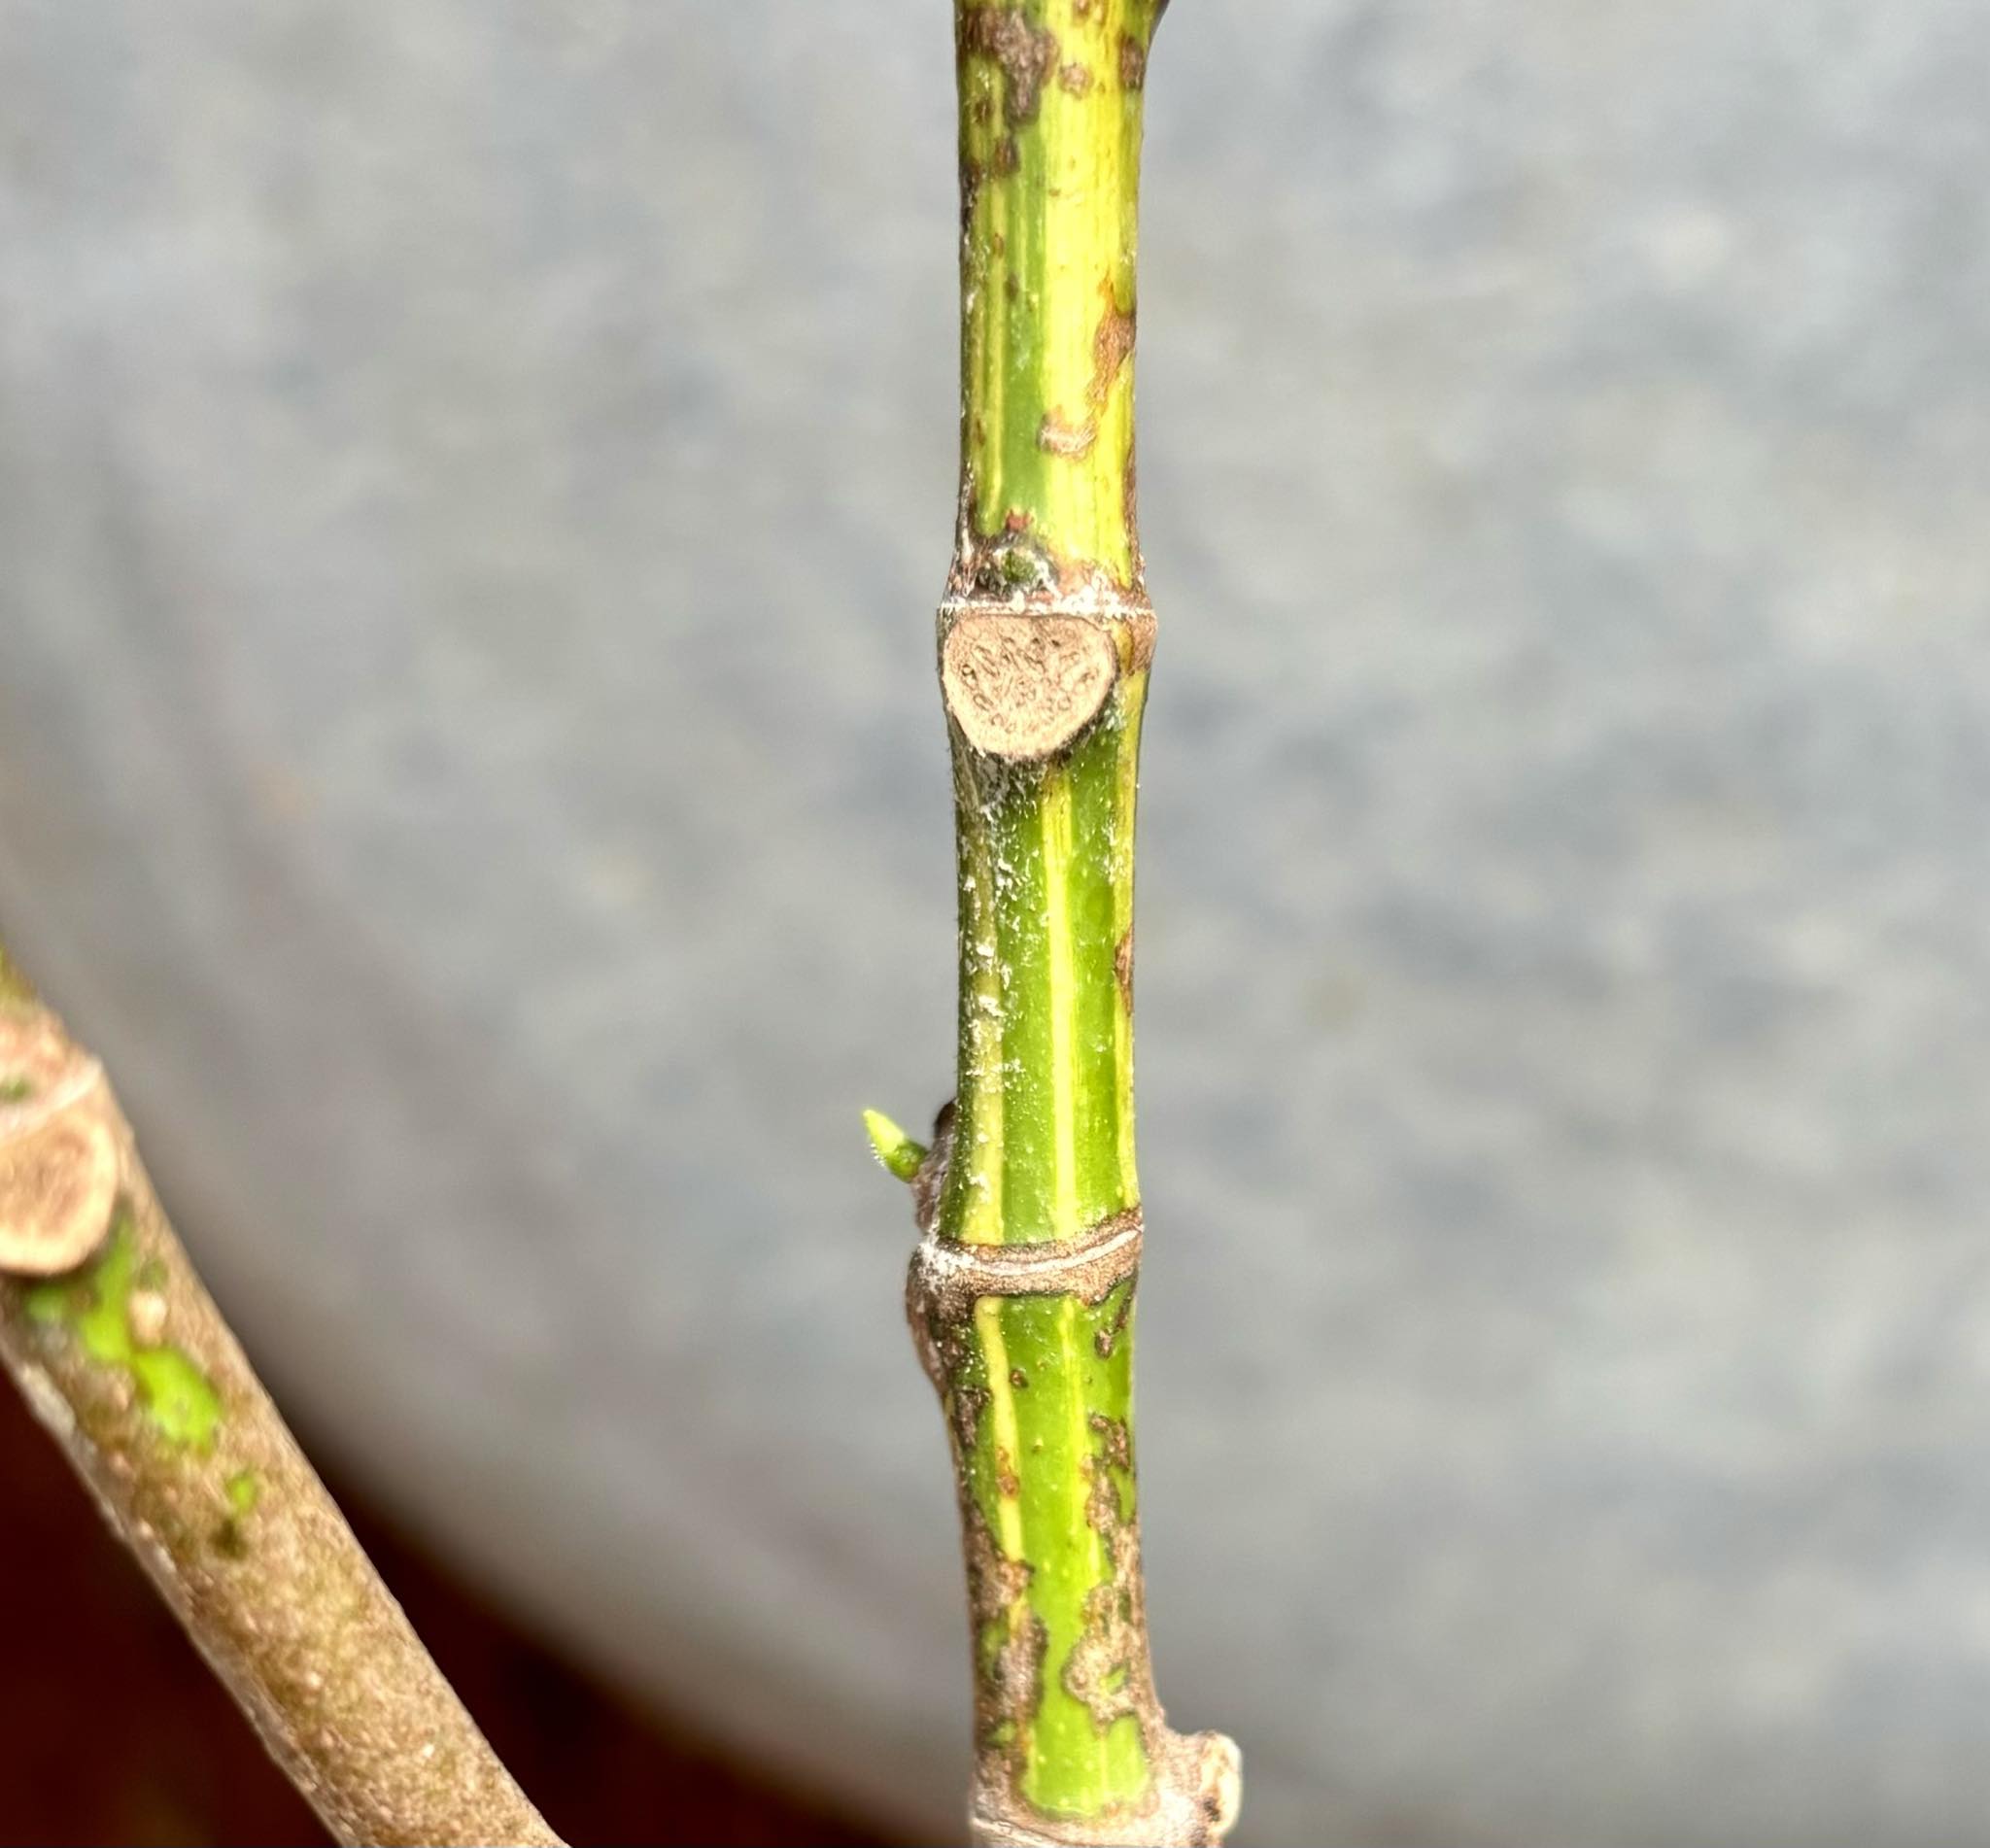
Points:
[97,1305]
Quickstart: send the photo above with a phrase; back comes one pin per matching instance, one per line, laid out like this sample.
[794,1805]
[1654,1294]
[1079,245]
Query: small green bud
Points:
[897,1150]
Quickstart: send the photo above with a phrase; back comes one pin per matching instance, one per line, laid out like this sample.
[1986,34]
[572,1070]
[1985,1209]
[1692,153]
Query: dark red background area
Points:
[112,1729]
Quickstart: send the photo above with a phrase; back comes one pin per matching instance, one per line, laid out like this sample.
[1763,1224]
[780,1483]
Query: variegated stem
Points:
[1022,1291]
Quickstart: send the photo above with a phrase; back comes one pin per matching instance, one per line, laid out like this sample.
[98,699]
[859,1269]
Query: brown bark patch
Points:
[1016,1676]
[1108,1670]
[931,1177]
[1116,1444]
[966,1404]
[1055,437]
[1010,1641]
[1107,1337]
[1025,53]
[1105,1672]
[1112,346]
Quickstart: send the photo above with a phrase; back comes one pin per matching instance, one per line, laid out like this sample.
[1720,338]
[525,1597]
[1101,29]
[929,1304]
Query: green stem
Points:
[1022,1295]
[1050,110]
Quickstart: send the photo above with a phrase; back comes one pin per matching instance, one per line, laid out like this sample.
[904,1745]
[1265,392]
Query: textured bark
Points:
[1021,1292]
[124,1356]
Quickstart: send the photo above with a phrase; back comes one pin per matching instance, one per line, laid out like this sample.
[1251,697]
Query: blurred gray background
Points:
[474,479]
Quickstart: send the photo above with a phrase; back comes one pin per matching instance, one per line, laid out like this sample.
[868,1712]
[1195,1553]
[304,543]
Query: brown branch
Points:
[124,1356]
